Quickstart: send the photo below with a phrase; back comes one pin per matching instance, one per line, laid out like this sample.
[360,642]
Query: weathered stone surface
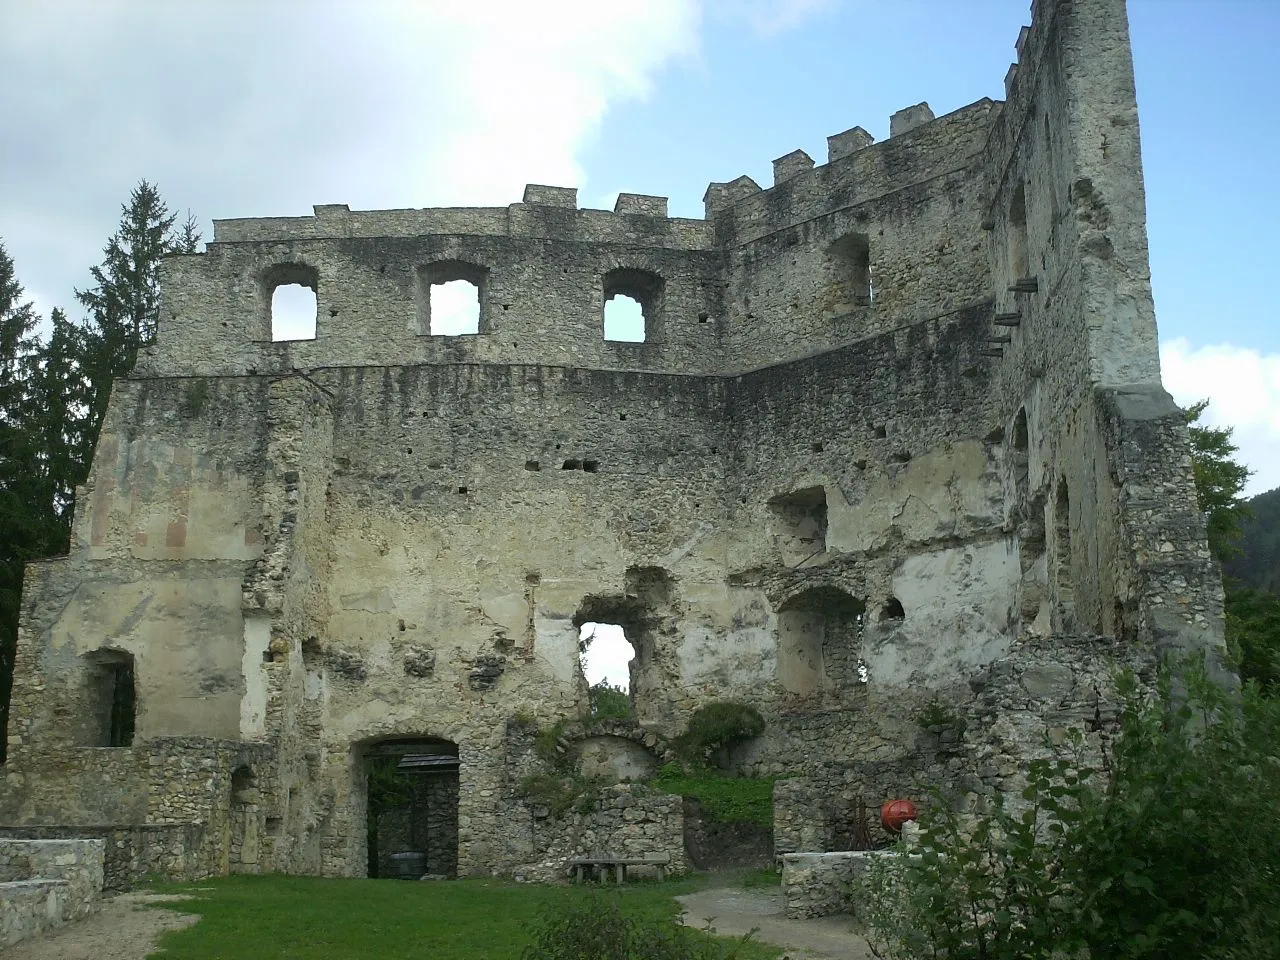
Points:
[45,883]
[894,443]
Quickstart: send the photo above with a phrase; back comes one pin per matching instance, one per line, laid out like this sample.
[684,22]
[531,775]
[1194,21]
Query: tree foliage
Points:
[1257,563]
[1220,479]
[1252,615]
[54,390]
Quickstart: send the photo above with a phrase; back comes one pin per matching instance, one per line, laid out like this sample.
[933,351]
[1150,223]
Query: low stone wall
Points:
[821,884]
[629,819]
[132,853]
[972,741]
[44,883]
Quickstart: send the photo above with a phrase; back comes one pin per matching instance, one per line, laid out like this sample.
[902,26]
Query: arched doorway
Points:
[412,811]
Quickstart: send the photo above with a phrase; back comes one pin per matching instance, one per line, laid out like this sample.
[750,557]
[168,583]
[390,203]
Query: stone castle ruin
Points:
[892,463]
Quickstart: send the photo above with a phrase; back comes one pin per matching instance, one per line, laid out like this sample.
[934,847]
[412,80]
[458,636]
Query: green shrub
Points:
[609,703]
[596,929]
[716,726]
[724,799]
[1173,858]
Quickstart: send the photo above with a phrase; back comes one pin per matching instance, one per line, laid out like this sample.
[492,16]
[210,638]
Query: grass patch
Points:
[291,918]
[762,878]
[723,798]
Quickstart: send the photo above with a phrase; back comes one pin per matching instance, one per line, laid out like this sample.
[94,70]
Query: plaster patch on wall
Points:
[253,704]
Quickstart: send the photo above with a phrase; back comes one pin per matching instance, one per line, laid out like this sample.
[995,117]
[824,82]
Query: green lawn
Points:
[308,918]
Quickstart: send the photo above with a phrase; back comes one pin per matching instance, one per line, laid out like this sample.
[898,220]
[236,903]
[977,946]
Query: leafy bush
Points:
[719,725]
[596,929]
[724,799]
[1174,857]
[609,702]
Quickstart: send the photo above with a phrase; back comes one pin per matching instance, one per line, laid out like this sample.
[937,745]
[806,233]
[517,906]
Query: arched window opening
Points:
[1062,557]
[632,305]
[289,289]
[112,698]
[1018,262]
[848,274]
[799,524]
[455,308]
[412,808]
[820,642]
[606,658]
[616,638]
[451,299]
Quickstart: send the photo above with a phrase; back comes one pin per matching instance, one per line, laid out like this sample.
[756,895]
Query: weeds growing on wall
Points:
[724,799]
[1173,857]
[717,727]
[561,793]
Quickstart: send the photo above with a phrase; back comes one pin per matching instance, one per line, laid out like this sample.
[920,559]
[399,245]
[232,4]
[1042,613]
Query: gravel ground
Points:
[125,928]
[734,911]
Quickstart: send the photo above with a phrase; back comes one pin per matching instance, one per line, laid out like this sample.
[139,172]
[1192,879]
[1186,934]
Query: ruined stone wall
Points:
[971,740]
[895,416]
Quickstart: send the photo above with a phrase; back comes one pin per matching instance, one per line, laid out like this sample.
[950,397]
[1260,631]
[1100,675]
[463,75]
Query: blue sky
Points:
[264,107]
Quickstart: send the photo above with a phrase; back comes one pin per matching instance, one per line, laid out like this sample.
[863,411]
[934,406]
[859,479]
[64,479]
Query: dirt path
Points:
[734,911]
[125,928]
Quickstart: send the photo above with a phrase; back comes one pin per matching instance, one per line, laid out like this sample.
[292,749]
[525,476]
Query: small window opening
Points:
[848,274]
[606,655]
[880,431]
[532,465]
[451,298]
[571,465]
[632,305]
[291,289]
[113,696]
[816,447]
[704,318]
[590,466]
[454,308]
[462,490]
[1018,234]
[892,610]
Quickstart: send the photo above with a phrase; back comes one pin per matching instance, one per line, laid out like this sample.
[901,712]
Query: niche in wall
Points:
[820,641]
[847,269]
[798,523]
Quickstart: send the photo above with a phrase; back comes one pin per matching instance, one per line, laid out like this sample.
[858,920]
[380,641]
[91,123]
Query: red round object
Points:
[897,812]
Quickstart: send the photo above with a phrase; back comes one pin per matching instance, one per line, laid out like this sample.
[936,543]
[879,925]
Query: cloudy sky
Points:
[264,107]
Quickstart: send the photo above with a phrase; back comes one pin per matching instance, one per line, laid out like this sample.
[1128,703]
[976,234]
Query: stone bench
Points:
[582,866]
[45,883]
[29,908]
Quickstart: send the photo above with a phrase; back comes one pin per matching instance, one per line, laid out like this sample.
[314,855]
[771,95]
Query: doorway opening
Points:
[412,811]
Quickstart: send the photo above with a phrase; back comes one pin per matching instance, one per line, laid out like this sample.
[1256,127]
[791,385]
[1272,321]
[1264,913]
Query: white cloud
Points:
[264,107]
[1243,388]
